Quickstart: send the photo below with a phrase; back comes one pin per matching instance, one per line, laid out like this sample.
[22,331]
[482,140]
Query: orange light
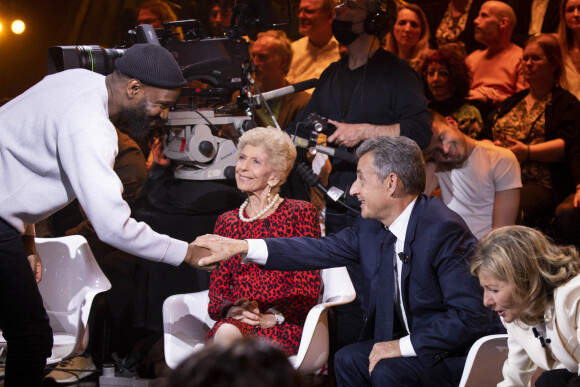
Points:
[18,26]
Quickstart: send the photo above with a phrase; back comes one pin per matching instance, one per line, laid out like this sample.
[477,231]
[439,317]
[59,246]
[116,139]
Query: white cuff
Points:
[257,252]
[406,347]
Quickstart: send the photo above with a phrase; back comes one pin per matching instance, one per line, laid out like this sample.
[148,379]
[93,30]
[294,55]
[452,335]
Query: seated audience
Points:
[318,48]
[244,363]
[409,38]
[569,35]
[447,78]
[534,287]
[272,53]
[244,300]
[478,180]
[538,125]
[451,21]
[497,70]
[535,17]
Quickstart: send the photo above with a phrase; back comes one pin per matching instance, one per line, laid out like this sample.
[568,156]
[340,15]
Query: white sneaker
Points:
[73,369]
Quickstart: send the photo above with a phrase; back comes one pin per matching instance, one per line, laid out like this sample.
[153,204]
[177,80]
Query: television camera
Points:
[215,69]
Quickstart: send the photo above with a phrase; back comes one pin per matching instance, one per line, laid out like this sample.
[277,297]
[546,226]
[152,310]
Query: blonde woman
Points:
[409,38]
[534,286]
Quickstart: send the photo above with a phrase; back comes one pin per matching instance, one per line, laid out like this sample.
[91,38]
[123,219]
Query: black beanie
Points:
[151,64]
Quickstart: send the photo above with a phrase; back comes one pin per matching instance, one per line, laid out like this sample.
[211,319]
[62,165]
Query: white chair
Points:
[485,361]
[186,323]
[71,278]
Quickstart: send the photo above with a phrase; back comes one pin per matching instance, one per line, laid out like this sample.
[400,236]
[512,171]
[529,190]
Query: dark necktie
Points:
[384,290]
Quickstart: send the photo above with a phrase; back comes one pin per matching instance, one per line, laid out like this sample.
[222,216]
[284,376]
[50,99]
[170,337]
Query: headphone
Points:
[381,21]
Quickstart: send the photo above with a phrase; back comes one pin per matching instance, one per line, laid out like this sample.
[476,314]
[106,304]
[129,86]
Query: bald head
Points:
[503,10]
[495,24]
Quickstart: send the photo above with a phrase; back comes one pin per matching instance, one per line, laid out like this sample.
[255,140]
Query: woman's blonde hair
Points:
[277,145]
[565,34]
[529,262]
[422,45]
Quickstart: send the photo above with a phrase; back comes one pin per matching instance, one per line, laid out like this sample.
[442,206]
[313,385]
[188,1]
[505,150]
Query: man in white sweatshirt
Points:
[59,143]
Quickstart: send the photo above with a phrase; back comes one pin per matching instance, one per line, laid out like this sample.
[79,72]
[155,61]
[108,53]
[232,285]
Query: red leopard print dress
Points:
[292,293]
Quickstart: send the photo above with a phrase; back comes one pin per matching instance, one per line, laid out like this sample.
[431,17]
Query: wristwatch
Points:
[277,315]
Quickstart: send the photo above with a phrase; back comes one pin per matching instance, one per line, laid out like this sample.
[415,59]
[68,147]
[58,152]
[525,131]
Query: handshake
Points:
[208,251]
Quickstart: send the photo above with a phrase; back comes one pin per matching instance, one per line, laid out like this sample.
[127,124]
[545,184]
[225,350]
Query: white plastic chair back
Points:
[71,278]
[485,361]
[186,323]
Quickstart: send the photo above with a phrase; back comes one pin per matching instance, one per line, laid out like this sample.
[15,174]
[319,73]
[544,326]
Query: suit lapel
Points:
[409,240]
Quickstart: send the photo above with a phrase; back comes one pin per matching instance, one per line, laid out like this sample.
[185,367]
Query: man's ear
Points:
[331,15]
[451,121]
[134,87]
[504,22]
[390,183]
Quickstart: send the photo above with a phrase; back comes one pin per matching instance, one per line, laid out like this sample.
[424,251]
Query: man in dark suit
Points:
[418,328]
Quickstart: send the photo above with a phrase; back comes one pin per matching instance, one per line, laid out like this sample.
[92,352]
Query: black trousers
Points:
[23,319]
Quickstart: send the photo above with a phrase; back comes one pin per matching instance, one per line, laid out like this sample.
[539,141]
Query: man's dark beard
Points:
[136,122]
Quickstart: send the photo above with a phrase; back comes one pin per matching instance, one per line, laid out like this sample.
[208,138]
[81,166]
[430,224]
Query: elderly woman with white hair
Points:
[244,299]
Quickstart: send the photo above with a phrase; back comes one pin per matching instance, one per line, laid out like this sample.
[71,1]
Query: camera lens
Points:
[94,58]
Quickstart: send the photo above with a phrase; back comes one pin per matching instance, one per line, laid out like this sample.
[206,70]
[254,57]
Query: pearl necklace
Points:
[271,204]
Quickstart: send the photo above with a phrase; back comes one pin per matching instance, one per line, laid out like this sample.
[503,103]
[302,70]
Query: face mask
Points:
[342,31]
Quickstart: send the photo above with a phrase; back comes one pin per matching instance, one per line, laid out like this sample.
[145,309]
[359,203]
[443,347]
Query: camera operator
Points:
[370,93]
[59,142]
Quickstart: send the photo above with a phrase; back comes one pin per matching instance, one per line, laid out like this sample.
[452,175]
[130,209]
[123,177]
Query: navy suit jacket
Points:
[443,302]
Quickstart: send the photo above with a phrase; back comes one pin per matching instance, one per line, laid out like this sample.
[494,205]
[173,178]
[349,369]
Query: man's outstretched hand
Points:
[207,251]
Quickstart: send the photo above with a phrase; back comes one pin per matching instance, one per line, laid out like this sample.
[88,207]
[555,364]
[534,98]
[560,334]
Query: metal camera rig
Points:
[215,69]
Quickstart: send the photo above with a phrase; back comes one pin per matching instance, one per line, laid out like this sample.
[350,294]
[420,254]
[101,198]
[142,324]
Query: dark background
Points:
[23,58]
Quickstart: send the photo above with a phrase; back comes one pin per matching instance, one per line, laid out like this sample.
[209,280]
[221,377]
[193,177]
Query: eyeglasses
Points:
[533,58]
[442,73]
[350,4]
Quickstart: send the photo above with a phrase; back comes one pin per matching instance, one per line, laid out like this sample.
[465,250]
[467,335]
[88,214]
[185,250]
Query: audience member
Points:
[422,310]
[533,285]
[538,125]
[409,38]
[76,112]
[497,70]
[219,17]
[447,78]
[318,48]
[368,94]
[244,363]
[155,12]
[569,35]
[478,180]
[451,22]
[534,17]
[244,300]
[272,54]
